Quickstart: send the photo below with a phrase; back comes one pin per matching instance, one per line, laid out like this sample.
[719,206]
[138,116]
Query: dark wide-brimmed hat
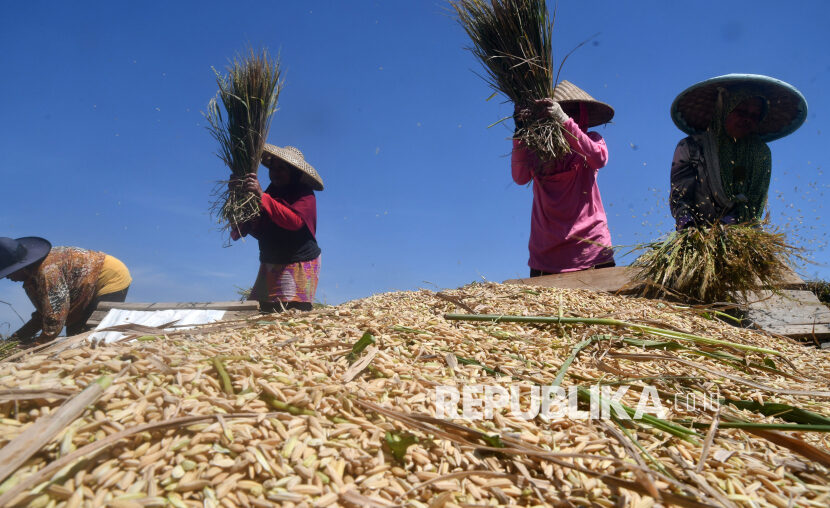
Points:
[693,109]
[20,253]
[569,96]
[295,158]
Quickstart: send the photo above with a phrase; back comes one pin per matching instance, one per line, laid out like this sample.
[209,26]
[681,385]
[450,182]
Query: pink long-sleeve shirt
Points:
[568,226]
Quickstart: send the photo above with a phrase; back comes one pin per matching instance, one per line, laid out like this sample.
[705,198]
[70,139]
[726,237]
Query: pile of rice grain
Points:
[301,426]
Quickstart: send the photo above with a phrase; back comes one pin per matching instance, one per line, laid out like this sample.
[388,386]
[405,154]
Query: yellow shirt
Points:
[114,277]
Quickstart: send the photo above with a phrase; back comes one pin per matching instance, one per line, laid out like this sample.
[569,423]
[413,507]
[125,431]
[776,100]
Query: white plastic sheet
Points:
[153,318]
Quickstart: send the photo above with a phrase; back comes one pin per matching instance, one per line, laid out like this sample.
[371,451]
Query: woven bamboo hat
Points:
[295,158]
[692,110]
[569,96]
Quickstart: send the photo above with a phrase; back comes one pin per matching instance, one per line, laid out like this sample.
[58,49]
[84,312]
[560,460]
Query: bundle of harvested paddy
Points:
[275,411]
[7,347]
[821,288]
[716,263]
[512,39]
[249,94]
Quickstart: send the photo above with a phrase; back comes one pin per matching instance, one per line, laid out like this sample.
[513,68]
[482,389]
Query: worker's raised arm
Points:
[280,213]
[590,145]
[522,162]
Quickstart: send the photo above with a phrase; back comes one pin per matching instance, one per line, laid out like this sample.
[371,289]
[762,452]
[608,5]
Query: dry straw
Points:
[715,264]
[248,94]
[512,39]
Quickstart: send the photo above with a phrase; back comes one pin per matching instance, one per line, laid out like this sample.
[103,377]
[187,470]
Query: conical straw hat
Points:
[692,110]
[294,157]
[569,96]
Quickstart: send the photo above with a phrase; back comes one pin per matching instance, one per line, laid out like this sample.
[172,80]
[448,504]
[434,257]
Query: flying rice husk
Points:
[512,39]
[716,263]
[249,94]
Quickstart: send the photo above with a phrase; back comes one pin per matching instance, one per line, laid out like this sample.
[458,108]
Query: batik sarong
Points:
[295,282]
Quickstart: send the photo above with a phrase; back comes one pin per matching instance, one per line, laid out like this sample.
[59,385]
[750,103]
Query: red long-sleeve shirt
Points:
[277,212]
[287,227]
[281,214]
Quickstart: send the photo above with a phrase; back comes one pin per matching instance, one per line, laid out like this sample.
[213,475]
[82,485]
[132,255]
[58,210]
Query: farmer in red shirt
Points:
[286,230]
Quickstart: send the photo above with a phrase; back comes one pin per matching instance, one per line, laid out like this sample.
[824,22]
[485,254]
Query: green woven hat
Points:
[692,110]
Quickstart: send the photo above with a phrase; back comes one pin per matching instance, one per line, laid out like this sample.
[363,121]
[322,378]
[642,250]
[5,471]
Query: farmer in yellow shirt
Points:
[64,284]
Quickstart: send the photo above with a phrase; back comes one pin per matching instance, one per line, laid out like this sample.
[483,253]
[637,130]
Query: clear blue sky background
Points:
[103,145]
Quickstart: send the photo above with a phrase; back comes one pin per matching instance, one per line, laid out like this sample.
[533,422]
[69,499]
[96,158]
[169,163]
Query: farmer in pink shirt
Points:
[568,227]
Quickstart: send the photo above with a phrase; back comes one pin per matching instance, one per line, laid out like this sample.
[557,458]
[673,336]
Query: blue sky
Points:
[103,144]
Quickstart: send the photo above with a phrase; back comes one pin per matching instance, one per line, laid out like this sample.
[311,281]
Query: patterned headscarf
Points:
[745,164]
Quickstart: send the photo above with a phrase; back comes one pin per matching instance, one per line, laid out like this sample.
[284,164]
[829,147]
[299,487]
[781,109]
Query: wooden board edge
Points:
[150,306]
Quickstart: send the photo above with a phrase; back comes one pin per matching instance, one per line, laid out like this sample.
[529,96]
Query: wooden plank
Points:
[96,317]
[612,280]
[616,279]
[794,313]
[791,280]
[233,315]
[234,305]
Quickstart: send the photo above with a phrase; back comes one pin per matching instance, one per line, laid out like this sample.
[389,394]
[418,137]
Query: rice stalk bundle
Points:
[248,94]
[715,263]
[8,347]
[821,288]
[512,40]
